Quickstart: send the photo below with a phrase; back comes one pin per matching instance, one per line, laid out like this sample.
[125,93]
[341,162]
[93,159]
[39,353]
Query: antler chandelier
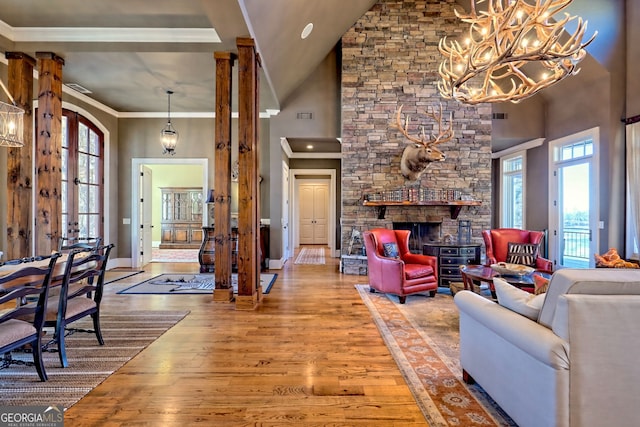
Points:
[513,50]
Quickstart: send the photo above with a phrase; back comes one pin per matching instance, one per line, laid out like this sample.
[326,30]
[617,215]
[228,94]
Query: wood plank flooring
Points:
[308,355]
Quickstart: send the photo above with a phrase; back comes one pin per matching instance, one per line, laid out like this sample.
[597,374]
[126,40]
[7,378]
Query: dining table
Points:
[58,270]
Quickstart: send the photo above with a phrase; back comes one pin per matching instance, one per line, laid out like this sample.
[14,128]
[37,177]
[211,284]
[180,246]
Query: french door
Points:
[82,177]
[573,218]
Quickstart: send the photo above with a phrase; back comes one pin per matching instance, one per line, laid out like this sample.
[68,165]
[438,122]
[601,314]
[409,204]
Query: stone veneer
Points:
[390,57]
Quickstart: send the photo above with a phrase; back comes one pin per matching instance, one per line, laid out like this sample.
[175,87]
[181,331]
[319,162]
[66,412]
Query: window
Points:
[512,191]
[573,199]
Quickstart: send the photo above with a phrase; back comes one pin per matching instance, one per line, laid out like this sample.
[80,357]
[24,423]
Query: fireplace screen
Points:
[421,233]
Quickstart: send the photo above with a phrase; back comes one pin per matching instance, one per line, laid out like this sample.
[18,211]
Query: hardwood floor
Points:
[308,355]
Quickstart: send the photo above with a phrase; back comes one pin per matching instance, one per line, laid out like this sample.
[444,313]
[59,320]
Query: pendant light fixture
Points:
[168,135]
[512,50]
[11,122]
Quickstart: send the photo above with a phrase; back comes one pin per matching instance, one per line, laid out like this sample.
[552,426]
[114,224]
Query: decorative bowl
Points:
[508,269]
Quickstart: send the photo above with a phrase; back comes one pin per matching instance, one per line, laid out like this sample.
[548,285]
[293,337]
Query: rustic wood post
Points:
[19,168]
[222,185]
[249,290]
[48,153]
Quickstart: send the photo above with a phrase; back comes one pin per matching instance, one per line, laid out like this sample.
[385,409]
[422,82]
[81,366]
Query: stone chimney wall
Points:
[390,58]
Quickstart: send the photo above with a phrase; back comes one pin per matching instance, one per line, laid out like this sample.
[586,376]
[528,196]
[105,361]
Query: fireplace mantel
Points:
[455,205]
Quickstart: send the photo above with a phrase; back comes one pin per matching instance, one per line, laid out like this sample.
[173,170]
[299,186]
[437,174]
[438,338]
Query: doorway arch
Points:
[294,173]
[136,163]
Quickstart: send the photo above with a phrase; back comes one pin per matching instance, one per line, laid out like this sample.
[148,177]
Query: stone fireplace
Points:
[390,58]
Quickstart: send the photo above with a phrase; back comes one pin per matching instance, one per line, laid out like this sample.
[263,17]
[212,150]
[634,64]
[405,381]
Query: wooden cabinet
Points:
[207,253]
[450,257]
[181,219]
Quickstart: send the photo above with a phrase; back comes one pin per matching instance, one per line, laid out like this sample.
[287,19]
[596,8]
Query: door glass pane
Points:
[94,170]
[94,225]
[83,226]
[94,143]
[83,167]
[83,198]
[574,215]
[83,138]
[65,140]
[93,196]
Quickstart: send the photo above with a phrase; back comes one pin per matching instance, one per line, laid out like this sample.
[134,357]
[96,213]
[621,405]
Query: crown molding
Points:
[110,35]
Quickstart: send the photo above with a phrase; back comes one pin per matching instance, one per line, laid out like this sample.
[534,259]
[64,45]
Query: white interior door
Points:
[286,251]
[313,220]
[146,215]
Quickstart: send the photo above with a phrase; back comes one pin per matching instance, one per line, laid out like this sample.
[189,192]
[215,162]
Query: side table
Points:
[450,257]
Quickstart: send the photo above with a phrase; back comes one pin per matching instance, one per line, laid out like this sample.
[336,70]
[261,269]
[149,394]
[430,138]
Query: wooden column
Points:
[222,186]
[249,291]
[19,170]
[48,153]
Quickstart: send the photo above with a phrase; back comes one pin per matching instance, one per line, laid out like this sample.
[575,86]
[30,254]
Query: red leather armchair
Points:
[409,274]
[497,243]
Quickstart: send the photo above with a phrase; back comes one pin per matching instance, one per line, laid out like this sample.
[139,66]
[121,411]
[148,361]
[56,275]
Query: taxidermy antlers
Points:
[422,151]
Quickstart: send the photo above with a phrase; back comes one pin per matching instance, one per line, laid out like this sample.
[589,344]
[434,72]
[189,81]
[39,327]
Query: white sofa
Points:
[578,365]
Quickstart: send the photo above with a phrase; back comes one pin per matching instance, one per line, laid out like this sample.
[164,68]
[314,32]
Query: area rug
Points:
[185,284]
[125,335]
[310,256]
[422,335]
[115,274]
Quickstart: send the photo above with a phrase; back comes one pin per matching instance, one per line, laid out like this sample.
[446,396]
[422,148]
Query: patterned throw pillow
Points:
[391,250]
[541,284]
[522,253]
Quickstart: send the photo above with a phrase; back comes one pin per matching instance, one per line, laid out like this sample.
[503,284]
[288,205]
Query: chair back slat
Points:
[86,267]
[67,244]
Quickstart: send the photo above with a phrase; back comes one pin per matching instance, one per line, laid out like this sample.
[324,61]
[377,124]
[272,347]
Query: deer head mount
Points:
[422,151]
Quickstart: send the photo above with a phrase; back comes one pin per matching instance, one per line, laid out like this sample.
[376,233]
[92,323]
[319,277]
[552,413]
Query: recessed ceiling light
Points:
[310,147]
[307,30]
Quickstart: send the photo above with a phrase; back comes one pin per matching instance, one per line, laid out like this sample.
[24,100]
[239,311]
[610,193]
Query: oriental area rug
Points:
[310,256]
[422,335]
[125,335]
[190,283]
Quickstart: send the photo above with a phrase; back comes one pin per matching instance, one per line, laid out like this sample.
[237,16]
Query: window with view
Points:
[512,190]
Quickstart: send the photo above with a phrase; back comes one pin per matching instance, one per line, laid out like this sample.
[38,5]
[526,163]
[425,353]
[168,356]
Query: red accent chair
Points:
[497,243]
[409,274]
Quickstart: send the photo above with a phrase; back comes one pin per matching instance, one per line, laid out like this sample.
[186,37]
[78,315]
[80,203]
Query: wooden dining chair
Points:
[80,295]
[23,324]
[67,244]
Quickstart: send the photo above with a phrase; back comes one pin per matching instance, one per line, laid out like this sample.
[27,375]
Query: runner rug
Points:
[125,335]
[184,284]
[422,335]
[310,256]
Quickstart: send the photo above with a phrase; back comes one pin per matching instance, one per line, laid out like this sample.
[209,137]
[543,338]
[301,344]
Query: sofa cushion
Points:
[391,250]
[415,271]
[595,281]
[517,300]
[522,253]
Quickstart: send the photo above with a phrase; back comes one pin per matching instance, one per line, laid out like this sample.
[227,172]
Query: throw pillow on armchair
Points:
[522,253]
